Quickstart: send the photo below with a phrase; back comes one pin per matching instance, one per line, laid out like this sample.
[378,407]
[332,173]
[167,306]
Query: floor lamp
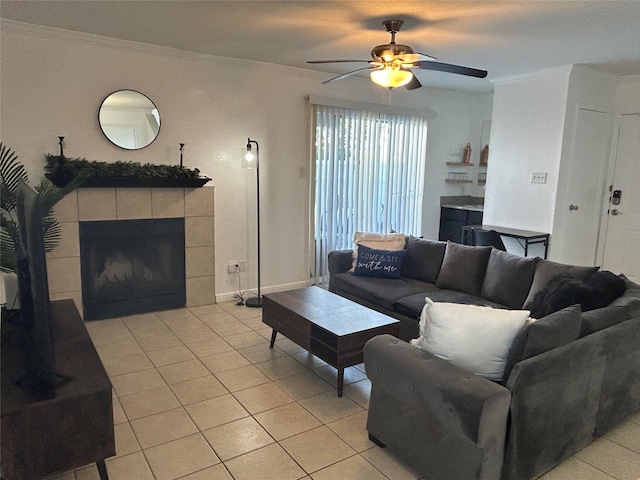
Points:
[253,161]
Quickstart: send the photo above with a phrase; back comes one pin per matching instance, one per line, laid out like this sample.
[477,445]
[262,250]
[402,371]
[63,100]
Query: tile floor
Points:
[199,395]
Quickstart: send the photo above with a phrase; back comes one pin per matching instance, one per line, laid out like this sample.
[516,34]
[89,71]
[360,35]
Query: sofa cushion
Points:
[508,278]
[598,291]
[412,305]
[379,291]
[475,338]
[463,268]
[546,270]
[379,241]
[547,333]
[379,263]
[552,331]
[601,318]
[423,259]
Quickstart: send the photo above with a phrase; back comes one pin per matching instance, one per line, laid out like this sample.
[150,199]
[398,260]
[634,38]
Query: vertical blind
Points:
[369,176]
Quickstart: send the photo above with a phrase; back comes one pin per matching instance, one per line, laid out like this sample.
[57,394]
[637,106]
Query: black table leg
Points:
[273,337]
[102,470]
[340,380]
[546,246]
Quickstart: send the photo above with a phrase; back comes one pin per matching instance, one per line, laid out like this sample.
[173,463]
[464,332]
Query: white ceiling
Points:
[504,37]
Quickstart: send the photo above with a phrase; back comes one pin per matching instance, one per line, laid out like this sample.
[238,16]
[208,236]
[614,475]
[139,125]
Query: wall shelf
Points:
[150,182]
[460,164]
[448,180]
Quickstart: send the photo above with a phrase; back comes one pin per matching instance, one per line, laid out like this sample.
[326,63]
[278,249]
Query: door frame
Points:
[610,173]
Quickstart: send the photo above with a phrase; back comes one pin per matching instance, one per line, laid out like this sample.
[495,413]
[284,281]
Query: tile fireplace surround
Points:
[195,205]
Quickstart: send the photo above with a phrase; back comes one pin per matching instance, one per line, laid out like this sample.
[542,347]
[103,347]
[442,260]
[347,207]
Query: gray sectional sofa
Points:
[450,424]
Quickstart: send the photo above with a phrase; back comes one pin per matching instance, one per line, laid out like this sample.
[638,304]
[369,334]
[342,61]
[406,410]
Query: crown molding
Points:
[561,71]
[146,48]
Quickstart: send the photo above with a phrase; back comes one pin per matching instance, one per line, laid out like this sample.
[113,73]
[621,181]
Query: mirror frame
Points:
[112,136]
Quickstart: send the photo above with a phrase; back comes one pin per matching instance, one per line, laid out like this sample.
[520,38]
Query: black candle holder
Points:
[181,147]
[61,147]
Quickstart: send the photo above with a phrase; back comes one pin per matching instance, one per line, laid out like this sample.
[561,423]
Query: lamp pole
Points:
[256,302]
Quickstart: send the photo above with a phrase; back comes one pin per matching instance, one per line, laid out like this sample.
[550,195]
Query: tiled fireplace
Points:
[131,266]
[194,205]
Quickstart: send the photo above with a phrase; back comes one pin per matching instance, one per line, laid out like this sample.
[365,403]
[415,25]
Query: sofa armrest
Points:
[440,419]
[340,261]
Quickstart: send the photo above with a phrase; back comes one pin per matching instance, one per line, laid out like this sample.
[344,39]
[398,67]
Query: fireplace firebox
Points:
[132,266]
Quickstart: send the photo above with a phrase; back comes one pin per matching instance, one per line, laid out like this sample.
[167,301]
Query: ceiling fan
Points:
[391,63]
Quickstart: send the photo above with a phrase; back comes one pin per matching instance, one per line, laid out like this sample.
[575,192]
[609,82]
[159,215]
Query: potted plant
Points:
[10,171]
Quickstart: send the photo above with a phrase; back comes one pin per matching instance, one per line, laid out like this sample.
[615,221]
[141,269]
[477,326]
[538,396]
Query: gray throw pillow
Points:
[508,278]
[463,268]
[552,331]
[547,333]
[546,270]
[423,259]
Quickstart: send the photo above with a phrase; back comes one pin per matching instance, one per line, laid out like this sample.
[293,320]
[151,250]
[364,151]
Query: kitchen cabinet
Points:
[453,219]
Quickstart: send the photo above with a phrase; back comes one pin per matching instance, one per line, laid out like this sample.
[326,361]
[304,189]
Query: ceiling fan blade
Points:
[338,61]
[344,75]
[413,84]
[447,67]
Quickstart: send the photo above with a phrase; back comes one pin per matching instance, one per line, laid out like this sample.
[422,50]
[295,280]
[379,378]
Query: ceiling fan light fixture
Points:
[391,77]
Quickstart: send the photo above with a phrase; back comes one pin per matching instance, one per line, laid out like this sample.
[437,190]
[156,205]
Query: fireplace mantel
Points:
[130,182]
[60,170]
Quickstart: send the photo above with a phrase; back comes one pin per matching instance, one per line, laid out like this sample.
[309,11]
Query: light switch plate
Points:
[538,177]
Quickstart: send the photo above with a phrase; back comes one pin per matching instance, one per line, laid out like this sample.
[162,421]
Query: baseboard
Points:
[228,297]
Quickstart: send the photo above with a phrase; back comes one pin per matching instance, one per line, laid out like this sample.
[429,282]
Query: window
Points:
[369,176]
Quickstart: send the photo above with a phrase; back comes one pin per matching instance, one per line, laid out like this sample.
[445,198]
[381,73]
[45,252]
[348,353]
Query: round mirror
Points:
[129,119]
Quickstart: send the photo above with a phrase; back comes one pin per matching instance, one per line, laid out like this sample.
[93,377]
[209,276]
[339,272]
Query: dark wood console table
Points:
[70,430]
[526,236]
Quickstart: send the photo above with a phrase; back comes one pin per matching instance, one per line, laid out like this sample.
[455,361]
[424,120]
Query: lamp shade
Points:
[249,158]
[391,77]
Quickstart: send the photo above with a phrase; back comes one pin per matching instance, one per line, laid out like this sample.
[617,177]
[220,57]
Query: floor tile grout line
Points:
[313,370]
[631,450]
[201,432]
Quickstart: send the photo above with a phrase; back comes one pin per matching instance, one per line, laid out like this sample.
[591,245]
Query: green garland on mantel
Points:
[59,168]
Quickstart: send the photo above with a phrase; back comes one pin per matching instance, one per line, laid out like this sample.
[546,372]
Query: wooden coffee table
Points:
[325,324]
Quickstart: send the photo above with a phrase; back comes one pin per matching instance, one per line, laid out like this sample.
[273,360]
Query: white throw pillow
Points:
[377,241]
[472,337]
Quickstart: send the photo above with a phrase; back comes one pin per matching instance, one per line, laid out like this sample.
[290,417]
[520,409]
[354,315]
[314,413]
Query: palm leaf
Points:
[11,170]
[8,237]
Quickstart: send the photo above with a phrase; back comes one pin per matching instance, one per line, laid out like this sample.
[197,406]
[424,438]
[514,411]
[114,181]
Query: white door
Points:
[578,214]
[622,241]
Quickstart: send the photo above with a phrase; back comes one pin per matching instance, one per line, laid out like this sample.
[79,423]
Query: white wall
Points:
[526,136]
[52,83]
[533,128]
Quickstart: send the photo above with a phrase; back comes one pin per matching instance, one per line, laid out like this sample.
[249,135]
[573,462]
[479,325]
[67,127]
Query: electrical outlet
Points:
[234,266]
[538,177]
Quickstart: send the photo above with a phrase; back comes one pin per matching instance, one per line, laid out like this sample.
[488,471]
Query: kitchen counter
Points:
[463,202]
[472,208]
